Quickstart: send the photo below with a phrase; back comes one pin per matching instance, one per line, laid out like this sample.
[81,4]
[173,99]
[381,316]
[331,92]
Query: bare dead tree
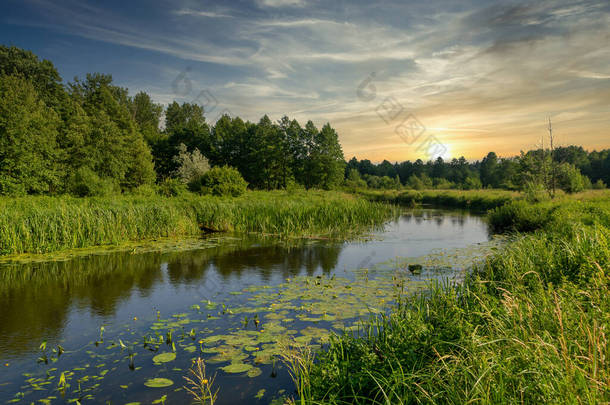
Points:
[553,165]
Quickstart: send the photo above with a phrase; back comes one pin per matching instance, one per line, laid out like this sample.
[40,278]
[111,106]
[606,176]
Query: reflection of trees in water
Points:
[35,299]
[287,261]
[248,256]
[439,217]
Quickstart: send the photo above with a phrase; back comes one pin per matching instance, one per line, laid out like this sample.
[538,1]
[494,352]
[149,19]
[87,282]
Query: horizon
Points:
[476,77]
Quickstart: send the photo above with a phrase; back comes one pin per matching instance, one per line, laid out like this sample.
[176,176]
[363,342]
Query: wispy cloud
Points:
[196,13]
[282,3]
[475,71]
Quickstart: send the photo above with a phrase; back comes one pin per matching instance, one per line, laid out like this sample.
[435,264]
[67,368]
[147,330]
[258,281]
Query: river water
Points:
[92,328]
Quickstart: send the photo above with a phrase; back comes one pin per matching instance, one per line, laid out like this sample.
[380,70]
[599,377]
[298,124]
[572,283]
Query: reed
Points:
[49,224]
[482,200]
[527,326]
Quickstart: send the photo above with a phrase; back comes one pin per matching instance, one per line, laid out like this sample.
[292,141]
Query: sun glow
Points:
[439,150]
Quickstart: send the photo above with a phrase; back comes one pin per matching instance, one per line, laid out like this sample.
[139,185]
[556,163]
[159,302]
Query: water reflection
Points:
[36,299]
[49,301]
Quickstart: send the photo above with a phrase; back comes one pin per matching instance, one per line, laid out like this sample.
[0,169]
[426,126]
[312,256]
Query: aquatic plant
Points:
[482,200]
[299,359]
[50,224]
[199,385]
[529,325]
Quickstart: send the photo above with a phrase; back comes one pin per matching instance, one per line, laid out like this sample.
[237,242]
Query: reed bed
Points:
[482,200]
[527,326]
[49,224]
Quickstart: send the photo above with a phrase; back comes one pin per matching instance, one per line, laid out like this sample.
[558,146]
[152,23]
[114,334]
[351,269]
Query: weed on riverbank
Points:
[528,326]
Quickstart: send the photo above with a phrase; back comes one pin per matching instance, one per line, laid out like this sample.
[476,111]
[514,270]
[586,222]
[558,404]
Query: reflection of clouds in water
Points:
[36,307]
[37,300]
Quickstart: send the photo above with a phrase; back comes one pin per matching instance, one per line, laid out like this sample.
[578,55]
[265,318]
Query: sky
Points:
[398,80]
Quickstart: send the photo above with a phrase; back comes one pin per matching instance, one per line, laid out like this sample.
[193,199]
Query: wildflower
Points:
[205,381]
[135,318]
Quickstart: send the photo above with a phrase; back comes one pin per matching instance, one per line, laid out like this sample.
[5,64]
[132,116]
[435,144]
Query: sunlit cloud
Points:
[478,75]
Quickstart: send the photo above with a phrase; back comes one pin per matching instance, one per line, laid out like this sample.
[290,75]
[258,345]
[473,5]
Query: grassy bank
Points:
[472,199]
[527,326]
[48,224]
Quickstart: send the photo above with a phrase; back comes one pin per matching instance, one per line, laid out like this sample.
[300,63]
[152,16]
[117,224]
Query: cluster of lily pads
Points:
[238,336]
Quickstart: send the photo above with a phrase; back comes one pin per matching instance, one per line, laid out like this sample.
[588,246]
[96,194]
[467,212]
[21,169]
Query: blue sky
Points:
[479,75]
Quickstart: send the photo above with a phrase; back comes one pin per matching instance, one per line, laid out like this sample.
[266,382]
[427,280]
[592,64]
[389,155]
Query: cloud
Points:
[282,3]
[468,69]
[194,13]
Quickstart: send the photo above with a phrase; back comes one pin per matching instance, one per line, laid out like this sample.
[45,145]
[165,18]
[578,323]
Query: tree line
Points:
[575,169]
[90,136]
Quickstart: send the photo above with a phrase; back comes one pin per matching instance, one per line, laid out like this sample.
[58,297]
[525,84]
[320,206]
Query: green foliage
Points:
[535,192]
[525,327]
[472,183]
[93,124]
[569,178]
[146,190]
[41,74]
[442,184]
[474,199]
[86,183]
[191,165]
[519,216]
[599,185]
[326,159]
[48,224]
[222,181]
[28,140]
[416,183]
[172,188]
[354,181]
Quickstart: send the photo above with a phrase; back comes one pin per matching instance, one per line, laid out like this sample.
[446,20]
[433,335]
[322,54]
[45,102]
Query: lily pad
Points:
[164,357]
[158,383]
[254,372]
[237,368]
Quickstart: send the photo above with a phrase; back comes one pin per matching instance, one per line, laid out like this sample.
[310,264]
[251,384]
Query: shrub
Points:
[442,184]
[172,188]
[472,183]
[222,181]
[518,216]
[86,183]
[535,192]
[145,190]
[354,181]
[415,183]
[570,179]
[599,185]
[191,165]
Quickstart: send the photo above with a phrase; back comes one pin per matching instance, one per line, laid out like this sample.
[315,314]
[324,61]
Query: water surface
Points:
[199,295]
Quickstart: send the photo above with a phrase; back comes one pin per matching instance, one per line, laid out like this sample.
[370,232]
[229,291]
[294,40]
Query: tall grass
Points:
[47,224]
[473,199]
[527,326]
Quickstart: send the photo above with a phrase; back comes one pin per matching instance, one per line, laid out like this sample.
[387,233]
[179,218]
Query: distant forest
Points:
[573,167]
[90,137]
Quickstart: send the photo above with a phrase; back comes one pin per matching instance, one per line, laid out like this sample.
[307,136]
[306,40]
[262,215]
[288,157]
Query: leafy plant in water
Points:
[102,329]
[43,357]
[298,358]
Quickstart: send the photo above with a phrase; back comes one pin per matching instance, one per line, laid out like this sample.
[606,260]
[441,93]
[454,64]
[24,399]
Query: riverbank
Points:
[52,224]
[481,200]
[528,326]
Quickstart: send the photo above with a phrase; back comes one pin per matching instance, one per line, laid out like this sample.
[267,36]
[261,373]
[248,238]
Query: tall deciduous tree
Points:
[327,161]
[29,153]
